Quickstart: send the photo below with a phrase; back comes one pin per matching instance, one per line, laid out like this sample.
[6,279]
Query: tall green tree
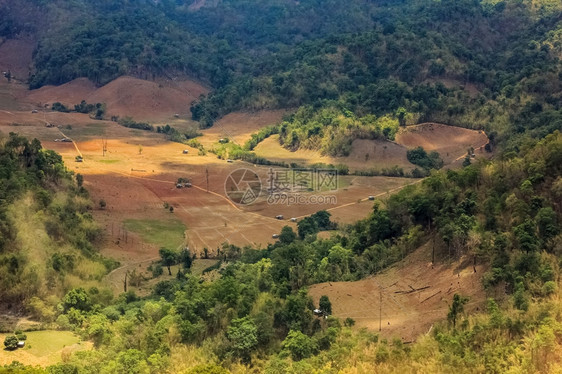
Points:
[456,308]
[168,257]
[242,334]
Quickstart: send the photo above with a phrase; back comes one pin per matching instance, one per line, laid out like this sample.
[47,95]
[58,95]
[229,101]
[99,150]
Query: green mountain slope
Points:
[47,235]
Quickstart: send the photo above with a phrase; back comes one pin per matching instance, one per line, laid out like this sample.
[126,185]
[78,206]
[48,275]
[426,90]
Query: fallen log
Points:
[427,298]
[412,290]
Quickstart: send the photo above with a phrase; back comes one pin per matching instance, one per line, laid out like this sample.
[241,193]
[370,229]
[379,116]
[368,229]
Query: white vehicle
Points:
[275,236]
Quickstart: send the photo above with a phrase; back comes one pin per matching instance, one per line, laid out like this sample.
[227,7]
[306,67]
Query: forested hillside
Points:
[47,235]
[348,70]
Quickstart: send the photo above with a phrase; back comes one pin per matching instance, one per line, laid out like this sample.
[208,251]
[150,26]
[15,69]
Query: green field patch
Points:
[89,130]
[104,161]
[43,343]
[164,233]
[201,264]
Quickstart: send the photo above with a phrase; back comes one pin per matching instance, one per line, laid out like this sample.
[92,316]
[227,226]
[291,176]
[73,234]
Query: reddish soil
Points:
[239,126]
[407,310]
[15,56]
[451,142]
[375,154]
[144,100]
[126,96]
[69,94]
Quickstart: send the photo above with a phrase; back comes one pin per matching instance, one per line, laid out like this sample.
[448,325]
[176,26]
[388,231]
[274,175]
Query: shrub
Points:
[418,156]
[20,335]
[157,270]
[59,107]
[11,342]
[208,369]
[130,123]
[77,298]
[549,288]
[349,322]
[300,345]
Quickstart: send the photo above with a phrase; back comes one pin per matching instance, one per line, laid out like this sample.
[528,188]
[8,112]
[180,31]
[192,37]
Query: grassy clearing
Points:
[201,264]
[164,233]
[104,161]
[91,129]
[182,125]
[43,347]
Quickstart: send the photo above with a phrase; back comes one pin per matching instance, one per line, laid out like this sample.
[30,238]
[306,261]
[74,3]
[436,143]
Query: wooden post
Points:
[380,309]
[207,177]
[125,281]
[433,252]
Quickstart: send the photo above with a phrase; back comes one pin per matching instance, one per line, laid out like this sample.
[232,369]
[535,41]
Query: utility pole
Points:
[125,281]
[380,309]
[207,177]
[433,242]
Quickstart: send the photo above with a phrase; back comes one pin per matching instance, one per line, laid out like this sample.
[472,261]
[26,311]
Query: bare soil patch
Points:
[69,94]
[239,126]
[375,154]
[408,307]
[126,96]
[451,142]
[15,56]
[149,101]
